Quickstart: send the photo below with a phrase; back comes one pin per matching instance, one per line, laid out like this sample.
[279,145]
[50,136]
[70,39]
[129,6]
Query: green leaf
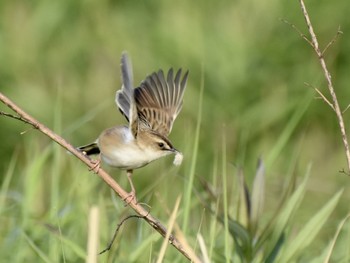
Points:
[330,249]
[274,253]
[41,254]
[243,204]
[282,218]
[242,239]
[258,197]
[288,131]
[189,183]
[310,230]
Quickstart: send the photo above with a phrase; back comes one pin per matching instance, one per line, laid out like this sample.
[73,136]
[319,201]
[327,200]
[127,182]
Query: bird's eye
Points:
[160,144]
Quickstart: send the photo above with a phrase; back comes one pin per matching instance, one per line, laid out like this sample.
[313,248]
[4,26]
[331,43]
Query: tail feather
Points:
[89,149]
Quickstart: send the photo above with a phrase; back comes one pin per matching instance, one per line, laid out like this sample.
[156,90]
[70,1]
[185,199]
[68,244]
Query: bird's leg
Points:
[132,195]
[97,164]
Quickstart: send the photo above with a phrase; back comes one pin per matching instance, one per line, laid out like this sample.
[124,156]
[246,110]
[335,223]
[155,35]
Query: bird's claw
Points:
[96,167]
[131,197]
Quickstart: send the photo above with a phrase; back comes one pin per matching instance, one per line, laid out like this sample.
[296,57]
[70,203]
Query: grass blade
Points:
[37,250]
[189,184]
[332,244]
[258,197]
[284,216]
[287,132]
[310,230]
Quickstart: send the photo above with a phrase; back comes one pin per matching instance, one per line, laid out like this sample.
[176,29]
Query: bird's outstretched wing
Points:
[125,96]
[159,100]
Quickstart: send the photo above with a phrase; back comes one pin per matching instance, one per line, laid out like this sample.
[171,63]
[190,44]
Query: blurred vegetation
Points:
[60,63]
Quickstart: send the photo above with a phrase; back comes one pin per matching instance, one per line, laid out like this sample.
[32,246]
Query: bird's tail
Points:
[90,149]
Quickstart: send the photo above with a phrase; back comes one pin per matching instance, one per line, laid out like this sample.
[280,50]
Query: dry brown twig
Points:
[109,246]
[143,213]
[320,54]
[321,95]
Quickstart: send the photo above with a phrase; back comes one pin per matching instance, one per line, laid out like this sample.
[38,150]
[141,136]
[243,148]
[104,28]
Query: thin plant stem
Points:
[138,208]
[338,112]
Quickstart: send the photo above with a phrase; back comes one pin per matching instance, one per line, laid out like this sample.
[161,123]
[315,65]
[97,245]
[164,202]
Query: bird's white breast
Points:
[120,149]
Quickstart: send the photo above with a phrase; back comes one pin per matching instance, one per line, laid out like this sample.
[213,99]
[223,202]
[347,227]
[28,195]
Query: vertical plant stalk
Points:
[93,235]
[335,104]
[154,222]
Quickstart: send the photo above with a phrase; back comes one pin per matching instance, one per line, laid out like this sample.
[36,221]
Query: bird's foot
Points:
[96,167]
[131,197]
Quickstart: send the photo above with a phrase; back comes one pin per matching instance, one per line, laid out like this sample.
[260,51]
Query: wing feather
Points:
[159,101]
[125,96]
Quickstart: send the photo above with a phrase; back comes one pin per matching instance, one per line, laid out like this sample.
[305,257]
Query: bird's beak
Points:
[174,150]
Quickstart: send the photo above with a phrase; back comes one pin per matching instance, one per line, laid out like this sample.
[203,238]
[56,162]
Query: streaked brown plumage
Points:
[151,110]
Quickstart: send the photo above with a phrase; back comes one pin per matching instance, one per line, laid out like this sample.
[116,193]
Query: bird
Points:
[150,109]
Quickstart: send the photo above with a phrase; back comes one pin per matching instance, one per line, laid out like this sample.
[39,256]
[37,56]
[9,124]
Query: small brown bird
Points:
[151,110]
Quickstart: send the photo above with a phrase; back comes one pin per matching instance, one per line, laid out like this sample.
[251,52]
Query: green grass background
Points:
[59,61]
